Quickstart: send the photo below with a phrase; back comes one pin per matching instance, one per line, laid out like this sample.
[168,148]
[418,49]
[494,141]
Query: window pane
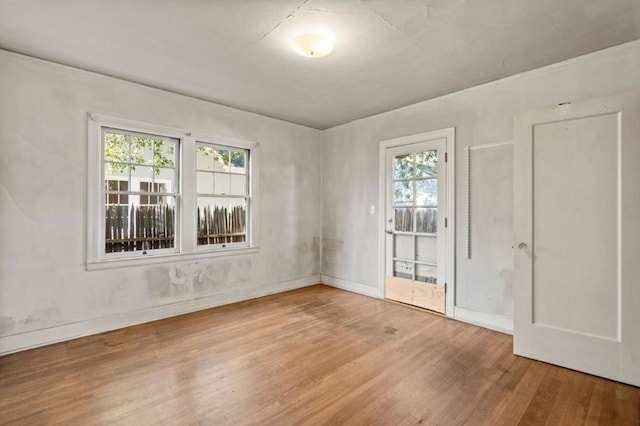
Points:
[403,166]
[141,150]
[164,180]
[238,162]
[116,147]
[165,153]
[403,246]
[142,178]
[238,185]
[113,173]
[427,274]
[204,183]
[403,219]
[427,249]
[427,192]
[137,228]
[427,220]
[204,158]
[427,164]
[221,221]
[403,269]
[403,192]
[222,184]
[111,185]
[221,157]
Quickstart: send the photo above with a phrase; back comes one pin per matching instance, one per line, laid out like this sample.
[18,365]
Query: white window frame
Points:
[186,247]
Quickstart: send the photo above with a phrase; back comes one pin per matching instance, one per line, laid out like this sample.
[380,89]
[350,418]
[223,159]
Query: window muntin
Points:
[140,175]
[222,195]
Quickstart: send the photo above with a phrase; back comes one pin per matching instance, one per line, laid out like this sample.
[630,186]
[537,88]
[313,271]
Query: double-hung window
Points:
[157,191]
[222,188]
[141,192]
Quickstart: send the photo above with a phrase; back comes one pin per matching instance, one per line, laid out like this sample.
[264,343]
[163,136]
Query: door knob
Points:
[522,246]
[388,231]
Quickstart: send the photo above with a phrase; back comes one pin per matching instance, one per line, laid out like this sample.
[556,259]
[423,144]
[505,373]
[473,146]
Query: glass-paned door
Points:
[415,219]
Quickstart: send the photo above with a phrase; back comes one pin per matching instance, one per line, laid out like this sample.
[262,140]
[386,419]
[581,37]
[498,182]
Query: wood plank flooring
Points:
[311,356]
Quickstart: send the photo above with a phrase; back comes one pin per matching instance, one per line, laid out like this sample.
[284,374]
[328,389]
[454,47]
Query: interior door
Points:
[415,218]
[577,236]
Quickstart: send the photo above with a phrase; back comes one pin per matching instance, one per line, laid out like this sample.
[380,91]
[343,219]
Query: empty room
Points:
[333,212]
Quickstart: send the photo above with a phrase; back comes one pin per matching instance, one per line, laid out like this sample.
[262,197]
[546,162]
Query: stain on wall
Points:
[7,325]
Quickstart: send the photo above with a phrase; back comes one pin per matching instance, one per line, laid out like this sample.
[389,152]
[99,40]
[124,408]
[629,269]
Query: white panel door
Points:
[577,236]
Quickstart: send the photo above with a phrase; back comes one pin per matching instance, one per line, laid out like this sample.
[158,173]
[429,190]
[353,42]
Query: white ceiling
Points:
[387,53]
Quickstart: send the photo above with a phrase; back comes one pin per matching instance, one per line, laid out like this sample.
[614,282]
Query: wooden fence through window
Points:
[131,228]
[221,225]
[139,228]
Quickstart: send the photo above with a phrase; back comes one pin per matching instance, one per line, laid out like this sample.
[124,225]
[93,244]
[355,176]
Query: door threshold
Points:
[418,308]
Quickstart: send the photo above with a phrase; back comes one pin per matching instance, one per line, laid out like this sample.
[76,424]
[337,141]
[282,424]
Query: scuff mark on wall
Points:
[7,324]
[35,320]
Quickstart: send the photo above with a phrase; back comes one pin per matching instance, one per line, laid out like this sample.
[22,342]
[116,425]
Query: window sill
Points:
[95,265]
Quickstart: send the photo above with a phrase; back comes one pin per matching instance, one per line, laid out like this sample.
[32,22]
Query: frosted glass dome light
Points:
[312,45]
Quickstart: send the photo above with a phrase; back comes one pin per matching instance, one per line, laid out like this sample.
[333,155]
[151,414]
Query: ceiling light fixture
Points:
[312,45]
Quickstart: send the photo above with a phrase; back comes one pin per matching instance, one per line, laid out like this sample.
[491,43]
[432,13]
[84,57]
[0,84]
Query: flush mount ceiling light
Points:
[312,45]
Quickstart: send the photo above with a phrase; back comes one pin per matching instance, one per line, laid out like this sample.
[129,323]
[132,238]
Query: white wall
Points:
[45,292]
[481,115]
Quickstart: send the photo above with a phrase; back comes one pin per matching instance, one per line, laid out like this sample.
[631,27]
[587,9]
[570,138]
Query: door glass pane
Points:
[402,193]
[427,164]
[403,269]
[403,247]
[427,220]
[427,274]
[404,219]
[403,166]
[426,249]
[427,192]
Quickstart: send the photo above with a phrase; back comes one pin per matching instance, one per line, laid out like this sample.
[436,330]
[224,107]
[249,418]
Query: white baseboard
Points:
[494,322]
[354,287]
[32,339]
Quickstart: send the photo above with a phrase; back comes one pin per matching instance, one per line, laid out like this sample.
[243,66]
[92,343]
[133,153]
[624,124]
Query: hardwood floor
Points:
[315,356]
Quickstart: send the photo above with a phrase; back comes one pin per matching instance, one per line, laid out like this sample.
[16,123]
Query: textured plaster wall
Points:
[481,115]
[43,151]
